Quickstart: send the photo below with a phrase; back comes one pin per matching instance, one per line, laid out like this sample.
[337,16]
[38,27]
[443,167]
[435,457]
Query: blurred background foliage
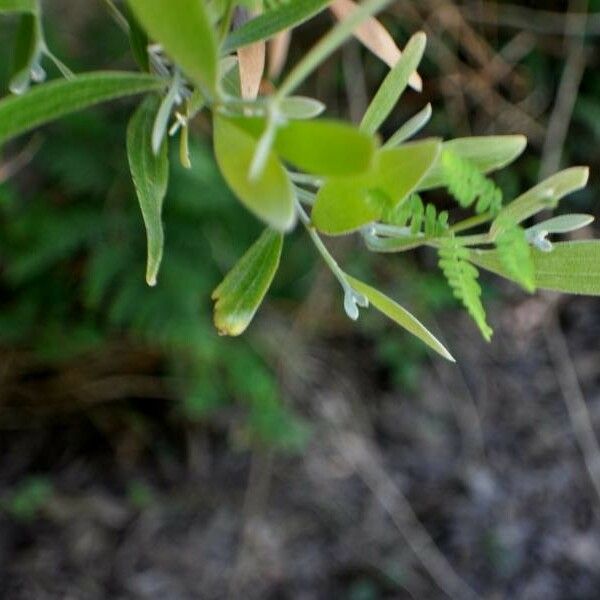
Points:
[81,333]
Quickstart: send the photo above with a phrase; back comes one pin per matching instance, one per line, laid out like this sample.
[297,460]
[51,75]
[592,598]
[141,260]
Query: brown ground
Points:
[484,453]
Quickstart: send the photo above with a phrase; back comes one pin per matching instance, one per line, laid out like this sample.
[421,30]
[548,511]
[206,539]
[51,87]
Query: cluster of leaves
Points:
[285,165]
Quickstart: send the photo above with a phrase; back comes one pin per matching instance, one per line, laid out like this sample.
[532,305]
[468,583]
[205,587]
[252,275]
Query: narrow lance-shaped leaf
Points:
[263,27]
[571,267]
[394,84]
[546,194]
[50,101]
[399,315]
[150,173]
[562,224]
[300,107]
[487,153]
[184,29]
[537,235]
[410,128]
[241,293]
[270,197]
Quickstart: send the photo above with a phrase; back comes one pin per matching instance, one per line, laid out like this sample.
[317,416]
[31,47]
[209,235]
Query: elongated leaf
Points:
[300,107]
[150,173]
[267,25]
[322,147]
[184,29]
[410,128]
[561,224]
[394,84]
[271,196]
[571,267]
[400,315]
[546,194]
[487,153]
[19,6]
[241,293]
[53,100]
[346,204]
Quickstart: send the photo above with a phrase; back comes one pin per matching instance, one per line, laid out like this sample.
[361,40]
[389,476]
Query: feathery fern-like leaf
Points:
[468,186]
[514,252]
[462,278]
[417,216]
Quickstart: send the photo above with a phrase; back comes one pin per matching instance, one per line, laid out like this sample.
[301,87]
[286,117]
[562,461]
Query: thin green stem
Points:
[327,45]
[327,257]
[471,222]
[117,15]
[474,240]
[304,196]
[60,65]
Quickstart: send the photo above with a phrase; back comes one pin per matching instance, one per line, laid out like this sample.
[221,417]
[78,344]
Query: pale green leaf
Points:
[561,224]
[410,128]
[346,204]
[265,26]
[184,29]
[301,107]
[241,293]
[270,197]
[545,195]
[487,153]
[150,173]
[571,267]
[50,101]
[394,84]
[399,315]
